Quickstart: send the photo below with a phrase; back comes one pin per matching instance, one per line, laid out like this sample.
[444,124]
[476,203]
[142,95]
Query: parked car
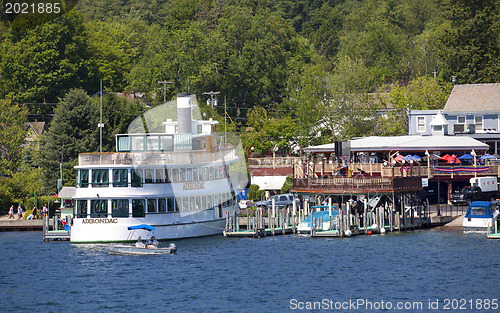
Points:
[481,189]
[280,201]
[244,204]
[431,195]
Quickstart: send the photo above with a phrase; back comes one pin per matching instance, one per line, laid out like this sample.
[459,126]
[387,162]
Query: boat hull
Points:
[115,230]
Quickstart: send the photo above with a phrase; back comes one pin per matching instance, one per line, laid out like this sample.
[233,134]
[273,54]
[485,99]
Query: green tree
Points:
[73,130]
[48,61]
[422,93]
[470,48]
[13,120]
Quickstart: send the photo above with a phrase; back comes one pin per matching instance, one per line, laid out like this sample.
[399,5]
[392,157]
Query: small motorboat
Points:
[304,226]
[140,247]
[480,216]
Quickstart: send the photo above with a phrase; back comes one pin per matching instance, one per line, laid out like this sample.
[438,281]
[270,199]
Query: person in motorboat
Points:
[152,243]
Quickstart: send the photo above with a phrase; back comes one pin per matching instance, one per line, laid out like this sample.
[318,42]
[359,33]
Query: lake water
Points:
[420,271]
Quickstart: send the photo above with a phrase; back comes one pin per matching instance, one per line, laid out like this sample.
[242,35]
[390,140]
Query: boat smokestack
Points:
[184,115]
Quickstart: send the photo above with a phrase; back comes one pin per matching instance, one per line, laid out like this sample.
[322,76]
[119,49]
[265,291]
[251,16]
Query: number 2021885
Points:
[26,8]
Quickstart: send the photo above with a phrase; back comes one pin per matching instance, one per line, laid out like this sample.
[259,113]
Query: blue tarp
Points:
[141,226]
[475,207]
[242,194]
[321,214]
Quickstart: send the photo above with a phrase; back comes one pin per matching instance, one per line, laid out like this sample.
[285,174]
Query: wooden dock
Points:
[494,233]
[257,226]
[55,234]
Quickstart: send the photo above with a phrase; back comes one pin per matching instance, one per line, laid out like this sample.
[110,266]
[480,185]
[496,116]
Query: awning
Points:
[141,226]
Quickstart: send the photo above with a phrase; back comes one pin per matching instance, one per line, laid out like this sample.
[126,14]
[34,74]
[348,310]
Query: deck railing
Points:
[359,183]
[156,158]
[400,170]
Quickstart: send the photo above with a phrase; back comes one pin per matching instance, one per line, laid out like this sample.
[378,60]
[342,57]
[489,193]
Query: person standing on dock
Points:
[34,212]
[19,212]
[11,212]
[45,211]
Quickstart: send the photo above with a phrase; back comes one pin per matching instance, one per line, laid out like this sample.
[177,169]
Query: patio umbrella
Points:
[487,156]
[416,158]
[466,156]
[454,160]
[445,158]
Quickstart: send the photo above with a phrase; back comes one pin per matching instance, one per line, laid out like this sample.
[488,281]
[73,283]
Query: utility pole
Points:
[101,125]
[212,96]
[165,89]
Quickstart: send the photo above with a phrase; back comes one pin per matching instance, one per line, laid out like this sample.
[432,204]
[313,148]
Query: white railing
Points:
[156,158]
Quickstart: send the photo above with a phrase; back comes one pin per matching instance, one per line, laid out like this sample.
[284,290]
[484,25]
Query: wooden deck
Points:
[356,185]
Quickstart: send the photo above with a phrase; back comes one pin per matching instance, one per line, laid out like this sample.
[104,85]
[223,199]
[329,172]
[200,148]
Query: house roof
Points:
[474,98]
[409,143]
[416,143]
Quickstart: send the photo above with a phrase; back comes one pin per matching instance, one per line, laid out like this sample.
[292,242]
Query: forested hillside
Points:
[291,72]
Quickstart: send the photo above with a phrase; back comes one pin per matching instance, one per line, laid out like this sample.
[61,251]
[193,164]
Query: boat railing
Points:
[157,158]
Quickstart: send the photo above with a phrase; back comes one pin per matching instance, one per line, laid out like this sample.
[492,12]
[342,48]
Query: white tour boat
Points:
[480,216]
[182,181]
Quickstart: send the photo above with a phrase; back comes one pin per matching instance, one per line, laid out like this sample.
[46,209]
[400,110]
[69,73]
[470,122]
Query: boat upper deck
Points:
[226,153]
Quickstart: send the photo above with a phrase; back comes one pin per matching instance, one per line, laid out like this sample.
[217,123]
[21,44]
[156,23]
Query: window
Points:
[162,205]
[438,128]
[137,143]
[123,144]
[151,205]
[192,204]
[171,205]
[99,208]
[138,206]
[167,143]
[420,124]
[209,202]
[153,143]
[120,178]
[195,174]
[185,204]
[148,176]
[100,178]
[136,177]
[119,208]
[189,174]
[160,175]
[479,122]
[81,210]
[460,119]
[198,205]
[198,129]
[84,178]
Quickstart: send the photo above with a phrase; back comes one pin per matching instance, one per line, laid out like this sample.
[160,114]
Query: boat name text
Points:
[100,221]
[193,185]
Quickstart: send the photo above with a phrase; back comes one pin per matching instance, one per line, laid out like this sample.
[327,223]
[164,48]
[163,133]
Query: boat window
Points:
[175,175]
[137,143]
[476,211]
[168,175]
[81,208]
[166,143]
[100,178]
[84,178]
[192,203]
[185,204]
[99,208]
[209,202]
[211,173]
[120,178]
[148,176]
[204,203]
[151,205]
[119,208]
[182,175]
[189,174]
[217,200]
[171,204]
[138,207]
[153,143]
[123,144]
[136,177]
[160,175]
[195,174]
[162,205]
